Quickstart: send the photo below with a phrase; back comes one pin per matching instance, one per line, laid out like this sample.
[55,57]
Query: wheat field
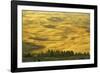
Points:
[55,31]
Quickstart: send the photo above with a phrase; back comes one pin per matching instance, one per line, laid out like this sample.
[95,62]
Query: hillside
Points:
[43,31]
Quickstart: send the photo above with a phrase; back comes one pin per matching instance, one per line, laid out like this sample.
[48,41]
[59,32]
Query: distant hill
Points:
[43,31]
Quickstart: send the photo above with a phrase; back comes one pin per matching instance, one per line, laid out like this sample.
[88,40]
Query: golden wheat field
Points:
[57,31]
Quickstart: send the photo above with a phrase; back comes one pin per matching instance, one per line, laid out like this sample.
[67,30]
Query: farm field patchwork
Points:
[51,36]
